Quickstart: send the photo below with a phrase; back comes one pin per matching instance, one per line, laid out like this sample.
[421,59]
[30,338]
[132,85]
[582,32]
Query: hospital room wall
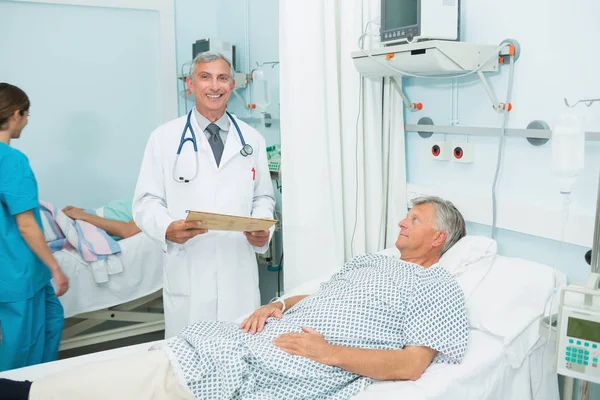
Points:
[94,94]
[555,62]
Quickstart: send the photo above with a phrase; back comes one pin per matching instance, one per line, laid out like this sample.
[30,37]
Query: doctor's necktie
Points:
[215,142]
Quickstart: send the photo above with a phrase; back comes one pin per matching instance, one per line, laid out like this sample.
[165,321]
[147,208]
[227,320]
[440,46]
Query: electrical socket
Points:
[463,152]
[440,150]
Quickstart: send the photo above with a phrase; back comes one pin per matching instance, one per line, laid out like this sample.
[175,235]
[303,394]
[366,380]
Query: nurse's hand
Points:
[181,231]
[258,238]
[61,281]
[256,322]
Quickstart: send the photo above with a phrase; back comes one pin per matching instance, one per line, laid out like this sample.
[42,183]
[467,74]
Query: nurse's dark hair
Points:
[11,99]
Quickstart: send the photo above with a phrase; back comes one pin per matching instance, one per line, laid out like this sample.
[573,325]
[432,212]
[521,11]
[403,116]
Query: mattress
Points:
[141,264]
[485,374]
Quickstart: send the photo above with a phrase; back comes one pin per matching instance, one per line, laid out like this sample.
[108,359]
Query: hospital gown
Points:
[374,302]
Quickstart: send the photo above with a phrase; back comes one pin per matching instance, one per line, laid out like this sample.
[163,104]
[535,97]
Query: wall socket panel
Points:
[463,152]
[440,150]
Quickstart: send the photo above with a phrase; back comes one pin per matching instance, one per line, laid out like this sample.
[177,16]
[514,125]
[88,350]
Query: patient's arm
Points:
[406,364]
[115,228]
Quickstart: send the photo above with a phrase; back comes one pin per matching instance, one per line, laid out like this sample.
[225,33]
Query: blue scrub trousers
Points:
[30,330]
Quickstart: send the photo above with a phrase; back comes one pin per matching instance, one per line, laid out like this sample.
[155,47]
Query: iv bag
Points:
[568,150]
[260,89]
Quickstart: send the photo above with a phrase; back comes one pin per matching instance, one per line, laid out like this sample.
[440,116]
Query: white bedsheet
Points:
[141,261]
[485,374]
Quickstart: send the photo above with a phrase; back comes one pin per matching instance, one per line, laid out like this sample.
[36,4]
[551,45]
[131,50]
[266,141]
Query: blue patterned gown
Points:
[374,302]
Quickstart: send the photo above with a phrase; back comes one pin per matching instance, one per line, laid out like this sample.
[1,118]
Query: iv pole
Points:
[584,386]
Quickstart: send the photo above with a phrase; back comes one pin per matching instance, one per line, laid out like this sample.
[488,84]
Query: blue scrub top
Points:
[22,273]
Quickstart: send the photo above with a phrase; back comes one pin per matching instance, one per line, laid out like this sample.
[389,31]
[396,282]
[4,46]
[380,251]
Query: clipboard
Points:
[224,222]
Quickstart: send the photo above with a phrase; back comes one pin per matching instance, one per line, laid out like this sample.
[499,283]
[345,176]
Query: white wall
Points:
[93,76]
[552,65]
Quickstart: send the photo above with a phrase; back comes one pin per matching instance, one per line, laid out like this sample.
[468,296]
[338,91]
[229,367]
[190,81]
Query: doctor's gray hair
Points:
[448,219]
[210,56]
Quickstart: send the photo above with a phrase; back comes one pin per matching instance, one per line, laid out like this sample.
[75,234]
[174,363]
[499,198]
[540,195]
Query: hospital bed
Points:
[98,293]
[505,358]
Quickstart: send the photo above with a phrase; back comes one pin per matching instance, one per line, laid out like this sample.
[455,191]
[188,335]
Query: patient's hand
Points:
[256,322]
[74,212]
[309,344]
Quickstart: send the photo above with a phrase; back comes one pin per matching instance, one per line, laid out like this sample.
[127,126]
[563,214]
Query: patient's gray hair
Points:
[448,219]
[210,56]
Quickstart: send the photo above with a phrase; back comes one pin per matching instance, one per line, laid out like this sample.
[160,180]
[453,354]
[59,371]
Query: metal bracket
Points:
[407,103]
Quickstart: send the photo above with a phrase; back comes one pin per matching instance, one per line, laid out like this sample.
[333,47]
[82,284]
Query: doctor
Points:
[208,161]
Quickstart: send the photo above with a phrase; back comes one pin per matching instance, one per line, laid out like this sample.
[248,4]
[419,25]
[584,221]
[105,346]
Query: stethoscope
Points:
[245,151]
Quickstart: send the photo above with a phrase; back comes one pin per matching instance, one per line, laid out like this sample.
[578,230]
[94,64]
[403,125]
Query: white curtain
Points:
[343,173]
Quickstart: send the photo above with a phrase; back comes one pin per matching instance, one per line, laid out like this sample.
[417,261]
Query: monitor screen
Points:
[584,329]
[400,14]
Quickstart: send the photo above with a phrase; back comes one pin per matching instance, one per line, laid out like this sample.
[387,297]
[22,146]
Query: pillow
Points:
[514,294]
[469,260]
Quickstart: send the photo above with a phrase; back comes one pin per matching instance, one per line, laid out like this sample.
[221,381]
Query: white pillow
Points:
[469,260]
[514,294]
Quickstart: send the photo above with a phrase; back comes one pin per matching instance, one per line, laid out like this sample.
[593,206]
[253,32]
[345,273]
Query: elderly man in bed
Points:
[378,318]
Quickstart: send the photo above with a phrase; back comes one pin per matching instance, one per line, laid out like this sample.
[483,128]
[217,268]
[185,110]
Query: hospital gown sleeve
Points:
[263,202]
[19,187]
[436,318]
[149,200]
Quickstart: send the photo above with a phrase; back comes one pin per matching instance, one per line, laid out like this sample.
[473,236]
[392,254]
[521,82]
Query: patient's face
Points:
[417,232]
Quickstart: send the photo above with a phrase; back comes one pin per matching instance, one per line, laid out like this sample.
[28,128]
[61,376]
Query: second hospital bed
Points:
[91,301]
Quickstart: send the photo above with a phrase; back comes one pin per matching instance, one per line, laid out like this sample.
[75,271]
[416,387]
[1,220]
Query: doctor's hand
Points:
[309,344]
[181,231]
[258,238]
[256,322]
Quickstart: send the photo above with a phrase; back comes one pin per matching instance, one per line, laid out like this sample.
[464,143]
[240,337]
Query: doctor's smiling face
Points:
[211,84]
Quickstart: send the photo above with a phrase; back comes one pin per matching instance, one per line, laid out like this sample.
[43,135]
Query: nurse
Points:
[31,317]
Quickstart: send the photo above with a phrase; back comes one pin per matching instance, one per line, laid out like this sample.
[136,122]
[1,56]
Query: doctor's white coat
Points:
[213,276]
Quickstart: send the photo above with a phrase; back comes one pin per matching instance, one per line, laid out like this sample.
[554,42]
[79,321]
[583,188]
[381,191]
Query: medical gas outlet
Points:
[440,150]
[463,152]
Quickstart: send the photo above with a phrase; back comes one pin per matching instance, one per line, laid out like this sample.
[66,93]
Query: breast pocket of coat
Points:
[177,273]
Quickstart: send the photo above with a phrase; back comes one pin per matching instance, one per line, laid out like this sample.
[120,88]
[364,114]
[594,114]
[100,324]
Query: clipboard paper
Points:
[223,222]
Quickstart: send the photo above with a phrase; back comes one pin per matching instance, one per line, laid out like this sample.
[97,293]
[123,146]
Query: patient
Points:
[378,318]
[117,221]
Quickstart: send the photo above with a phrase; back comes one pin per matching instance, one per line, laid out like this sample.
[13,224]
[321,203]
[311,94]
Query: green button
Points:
[571,341]
[594,346]
[586,352]
[586,358]
[568,358]
[595,359]
[580,356]
[578,361]
[586,344]
[573,359]
[580,351]
[585,363]
[568,354]
[579,343]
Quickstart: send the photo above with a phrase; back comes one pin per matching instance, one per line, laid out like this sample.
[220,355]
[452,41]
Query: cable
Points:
[511,75]
[356,169]
[279,274]
[565,218]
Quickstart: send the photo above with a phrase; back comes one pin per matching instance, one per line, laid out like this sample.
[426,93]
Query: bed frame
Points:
[136,312]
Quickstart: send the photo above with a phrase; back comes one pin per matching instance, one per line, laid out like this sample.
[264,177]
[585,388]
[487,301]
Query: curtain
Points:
[342,141]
